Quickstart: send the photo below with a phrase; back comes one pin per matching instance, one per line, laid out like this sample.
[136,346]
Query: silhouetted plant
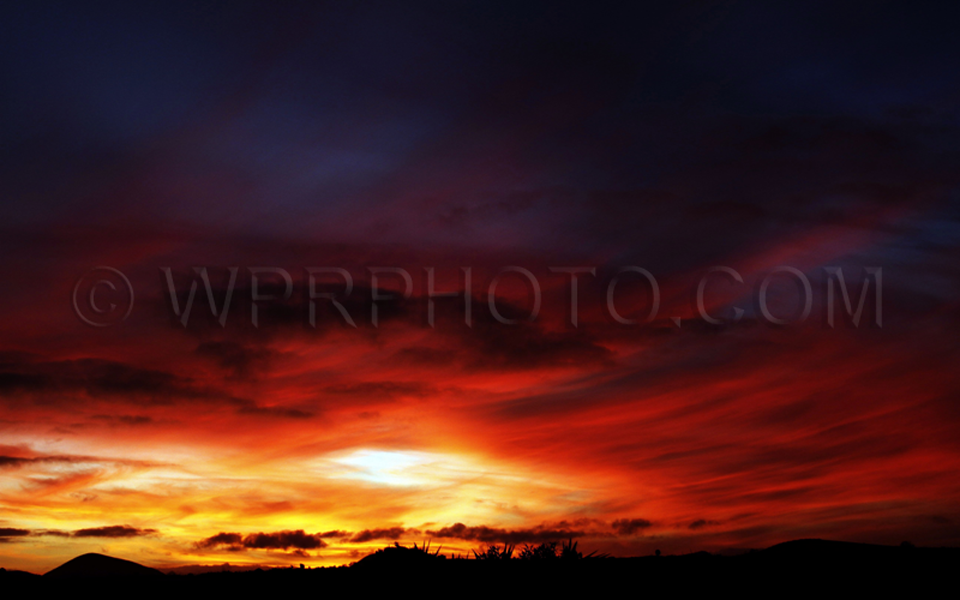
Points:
[494,552]
[426,549]
[549,551]
[545,551]
[569,551]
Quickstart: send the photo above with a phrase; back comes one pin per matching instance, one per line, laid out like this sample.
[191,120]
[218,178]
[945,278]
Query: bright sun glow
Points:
[402,468]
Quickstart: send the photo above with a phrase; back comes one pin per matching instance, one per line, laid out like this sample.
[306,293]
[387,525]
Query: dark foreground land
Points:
[809,566]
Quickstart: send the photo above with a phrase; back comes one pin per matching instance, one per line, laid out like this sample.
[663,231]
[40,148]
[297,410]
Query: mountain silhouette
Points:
[810,565]
[99,565]
[398,556]
[832,548]
[13,575]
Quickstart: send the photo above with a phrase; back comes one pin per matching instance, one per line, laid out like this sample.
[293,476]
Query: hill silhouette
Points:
[832,549]
[15,576]
[801,564]
[99,565]
[399,557]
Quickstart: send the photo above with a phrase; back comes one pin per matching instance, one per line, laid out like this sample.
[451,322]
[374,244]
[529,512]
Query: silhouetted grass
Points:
[494,552]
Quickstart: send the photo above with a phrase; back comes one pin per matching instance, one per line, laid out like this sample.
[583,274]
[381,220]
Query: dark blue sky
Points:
[280,121]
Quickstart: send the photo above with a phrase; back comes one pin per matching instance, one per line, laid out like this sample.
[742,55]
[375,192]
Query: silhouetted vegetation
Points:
[494,552]
[551,551]
[425,549]
[816,565]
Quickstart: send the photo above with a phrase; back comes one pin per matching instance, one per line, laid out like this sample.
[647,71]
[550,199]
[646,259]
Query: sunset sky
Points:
[477,142]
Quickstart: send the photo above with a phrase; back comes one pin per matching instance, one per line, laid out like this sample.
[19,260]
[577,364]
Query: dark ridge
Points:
[830,547]
[201,569]
[98,565]
[15,576]
[808,565]
[828,551]
[398,556]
